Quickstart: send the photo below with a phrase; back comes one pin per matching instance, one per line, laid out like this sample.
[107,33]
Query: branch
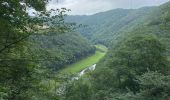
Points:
[13,43]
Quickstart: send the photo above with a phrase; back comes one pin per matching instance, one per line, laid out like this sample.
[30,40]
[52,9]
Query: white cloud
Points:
[86,7]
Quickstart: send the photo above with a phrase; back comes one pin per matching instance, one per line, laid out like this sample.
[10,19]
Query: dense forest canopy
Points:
[15,72]
[36,50]
[70,48]
[136,66]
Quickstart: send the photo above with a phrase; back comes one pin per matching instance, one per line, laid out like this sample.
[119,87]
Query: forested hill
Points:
[103,27]
[137,65]
[110,27]
[33,50]
[57,51]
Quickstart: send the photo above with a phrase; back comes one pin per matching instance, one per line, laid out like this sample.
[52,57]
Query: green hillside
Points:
[48,55]
[57,51]
[103,27]
[108,27]
[136,66]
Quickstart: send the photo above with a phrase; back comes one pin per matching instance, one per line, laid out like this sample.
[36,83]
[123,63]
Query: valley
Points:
[118,54]
[85,62]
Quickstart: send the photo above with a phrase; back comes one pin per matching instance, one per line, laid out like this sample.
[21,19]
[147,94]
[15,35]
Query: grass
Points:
[86,62]
[76,67]
[82,64]
[168,58]
[101,48]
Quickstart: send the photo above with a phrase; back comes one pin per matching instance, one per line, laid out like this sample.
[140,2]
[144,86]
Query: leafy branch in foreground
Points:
[18,77]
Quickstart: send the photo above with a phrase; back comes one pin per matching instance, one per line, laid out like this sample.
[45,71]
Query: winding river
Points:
[89,69]
[77,77]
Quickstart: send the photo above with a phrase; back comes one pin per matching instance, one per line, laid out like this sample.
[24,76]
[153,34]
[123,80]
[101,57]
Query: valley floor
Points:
[86,62]
[75,68]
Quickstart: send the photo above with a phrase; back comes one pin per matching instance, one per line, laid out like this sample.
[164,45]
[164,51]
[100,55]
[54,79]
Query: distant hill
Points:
[107,27]
[136,66]
[102,27]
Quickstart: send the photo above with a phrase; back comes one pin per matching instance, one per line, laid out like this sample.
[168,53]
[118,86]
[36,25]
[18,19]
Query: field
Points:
[82,64]
[101,48]
[86,62]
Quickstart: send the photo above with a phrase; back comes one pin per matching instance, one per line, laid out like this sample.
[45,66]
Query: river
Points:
[77,77]
[89,69]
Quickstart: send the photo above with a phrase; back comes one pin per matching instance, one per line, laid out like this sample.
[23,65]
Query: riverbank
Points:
[86,62]
[72,70]
[82,64]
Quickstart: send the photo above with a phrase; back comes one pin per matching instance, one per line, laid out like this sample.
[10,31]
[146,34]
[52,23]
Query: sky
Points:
[88,7]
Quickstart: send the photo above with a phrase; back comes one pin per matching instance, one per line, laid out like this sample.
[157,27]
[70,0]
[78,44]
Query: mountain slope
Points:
[57,51]
[106,27]
[136,66]
[102,27]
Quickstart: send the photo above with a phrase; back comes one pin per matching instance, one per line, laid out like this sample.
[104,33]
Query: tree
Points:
[137,55]
[17,69]
[78,90]
[154,86]
[15,27]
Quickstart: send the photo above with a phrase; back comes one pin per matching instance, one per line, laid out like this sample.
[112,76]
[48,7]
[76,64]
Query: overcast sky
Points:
[86,7]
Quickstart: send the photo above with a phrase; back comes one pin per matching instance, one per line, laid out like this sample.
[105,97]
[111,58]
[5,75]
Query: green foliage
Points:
[132,57]
[154,86]
[119,74]
[57,51]
[137,55]
[136,67]
[78,90]
[106,27]
[140,53]
[15,72]
[18,71]
[82,64]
